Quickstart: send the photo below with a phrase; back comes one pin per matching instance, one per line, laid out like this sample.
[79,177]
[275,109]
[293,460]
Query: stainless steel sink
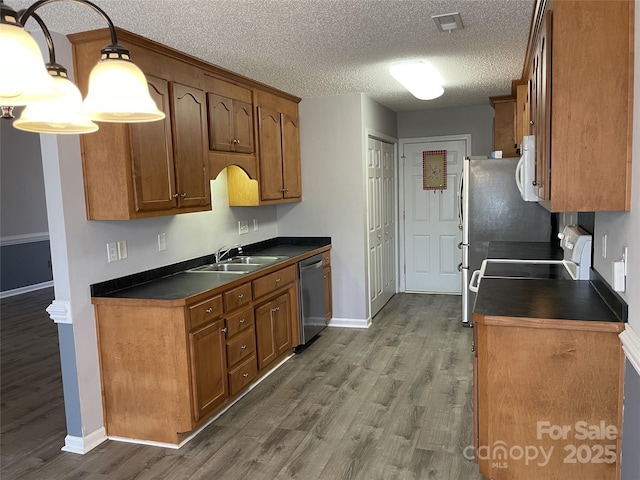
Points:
[240,264]
[254,259]
[227,268]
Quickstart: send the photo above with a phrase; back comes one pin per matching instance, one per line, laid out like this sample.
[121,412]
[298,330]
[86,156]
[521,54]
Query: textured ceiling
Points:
[314,48]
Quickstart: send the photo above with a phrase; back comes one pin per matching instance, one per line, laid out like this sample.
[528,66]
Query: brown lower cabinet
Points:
[168,366]
[547,398]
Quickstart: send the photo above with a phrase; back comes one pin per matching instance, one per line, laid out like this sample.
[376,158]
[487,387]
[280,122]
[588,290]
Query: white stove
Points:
[575,264]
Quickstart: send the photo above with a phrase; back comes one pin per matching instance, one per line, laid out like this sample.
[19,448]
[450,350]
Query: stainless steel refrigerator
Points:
[491,208]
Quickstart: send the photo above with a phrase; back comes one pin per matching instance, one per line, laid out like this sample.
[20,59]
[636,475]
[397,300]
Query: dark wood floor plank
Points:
[389,402]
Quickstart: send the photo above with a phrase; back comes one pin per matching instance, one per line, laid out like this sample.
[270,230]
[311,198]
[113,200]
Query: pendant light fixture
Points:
[62,114]
[118,90]
[420,78]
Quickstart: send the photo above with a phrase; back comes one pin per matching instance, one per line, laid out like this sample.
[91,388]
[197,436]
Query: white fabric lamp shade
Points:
[118,92]
[61,115]
[24,78]
[419,78]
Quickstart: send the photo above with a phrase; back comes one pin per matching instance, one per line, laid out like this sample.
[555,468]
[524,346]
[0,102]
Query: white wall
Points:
[332,140]
[475,120]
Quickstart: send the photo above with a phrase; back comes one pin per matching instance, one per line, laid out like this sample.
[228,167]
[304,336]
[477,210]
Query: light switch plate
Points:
[162,242]
[112,252]
[122,250]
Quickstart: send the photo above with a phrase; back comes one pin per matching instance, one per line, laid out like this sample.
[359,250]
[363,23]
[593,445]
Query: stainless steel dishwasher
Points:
[312,309]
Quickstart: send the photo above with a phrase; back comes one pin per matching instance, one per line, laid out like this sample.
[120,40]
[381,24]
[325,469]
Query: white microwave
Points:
[526,170]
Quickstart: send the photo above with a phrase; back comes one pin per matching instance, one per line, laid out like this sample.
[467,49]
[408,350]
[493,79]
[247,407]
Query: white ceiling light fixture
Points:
[420,78]
[448,22]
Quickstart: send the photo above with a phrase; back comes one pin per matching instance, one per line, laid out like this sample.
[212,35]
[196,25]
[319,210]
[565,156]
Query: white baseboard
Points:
[350,322]
[82,445]
[26,289]
[631,346]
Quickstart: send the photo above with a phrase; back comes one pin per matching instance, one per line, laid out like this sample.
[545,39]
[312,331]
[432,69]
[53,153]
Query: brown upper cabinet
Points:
[278,140]
[504,125]
[230,109]
[146,169]
[580,67]
[164,168]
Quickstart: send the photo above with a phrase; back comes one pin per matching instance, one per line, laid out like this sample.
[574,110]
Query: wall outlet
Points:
[243,227]
[255,224]
[162,242]
[112,252]
[122,250]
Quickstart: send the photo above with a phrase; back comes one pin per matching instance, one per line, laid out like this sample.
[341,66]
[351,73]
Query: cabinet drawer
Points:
[239,321]
[204,312]
[241,346]
[237,297]
[326,259]
[242,375]
[273,281]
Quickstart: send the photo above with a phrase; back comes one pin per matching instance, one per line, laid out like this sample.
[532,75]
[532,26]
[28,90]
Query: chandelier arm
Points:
[30,11]
[47,35]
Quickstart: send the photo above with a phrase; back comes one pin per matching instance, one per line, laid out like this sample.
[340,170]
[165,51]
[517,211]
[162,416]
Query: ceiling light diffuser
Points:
[419,78]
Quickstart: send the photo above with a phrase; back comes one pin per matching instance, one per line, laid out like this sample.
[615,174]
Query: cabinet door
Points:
[208,368]
[220,123]
[270,135]
[292,182]
[504,125]
[542,75]
[152,155]
[281,310]
[328,301]
[242,127]
[190,146]
[265,341]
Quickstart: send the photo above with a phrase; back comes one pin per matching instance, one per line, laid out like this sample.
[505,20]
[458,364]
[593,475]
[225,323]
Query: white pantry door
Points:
[380,223]
[431,233]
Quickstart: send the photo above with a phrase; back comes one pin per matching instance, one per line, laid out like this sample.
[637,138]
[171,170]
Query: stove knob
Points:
[569,244]
[560,235]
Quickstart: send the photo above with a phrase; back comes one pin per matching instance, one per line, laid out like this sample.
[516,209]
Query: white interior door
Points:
[380,222]
[431,233]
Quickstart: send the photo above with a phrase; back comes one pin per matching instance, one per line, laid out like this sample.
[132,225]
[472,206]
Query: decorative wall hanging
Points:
[434,170]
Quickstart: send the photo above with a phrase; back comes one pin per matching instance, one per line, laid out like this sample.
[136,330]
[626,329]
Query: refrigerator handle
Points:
[460,210]
[520,175]
[475,281]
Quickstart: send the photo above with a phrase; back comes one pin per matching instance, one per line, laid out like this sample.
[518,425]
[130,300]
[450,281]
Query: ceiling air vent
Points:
[448,22]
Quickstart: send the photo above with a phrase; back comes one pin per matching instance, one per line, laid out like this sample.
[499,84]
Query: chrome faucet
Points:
[221,252]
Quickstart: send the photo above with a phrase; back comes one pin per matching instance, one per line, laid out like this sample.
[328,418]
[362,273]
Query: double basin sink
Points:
[239,265]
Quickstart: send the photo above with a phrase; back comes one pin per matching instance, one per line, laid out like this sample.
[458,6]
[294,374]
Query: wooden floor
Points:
[390,402]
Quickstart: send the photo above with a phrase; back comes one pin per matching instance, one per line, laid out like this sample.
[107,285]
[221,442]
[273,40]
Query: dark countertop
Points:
[542,298]
[173,282]
[525,250]
[546,292]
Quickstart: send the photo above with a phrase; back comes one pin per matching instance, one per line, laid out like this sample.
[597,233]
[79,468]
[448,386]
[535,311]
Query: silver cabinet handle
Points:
[236,141]
[209,310]
[245,375]
[224,329]
[241,296]
[243,347]
[183,195]
[277,280]
[275,309]
[242,321]
[175,195]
